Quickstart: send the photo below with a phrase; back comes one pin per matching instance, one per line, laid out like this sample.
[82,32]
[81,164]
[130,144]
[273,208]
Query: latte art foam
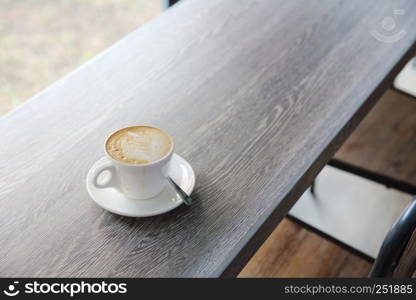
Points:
[138,145]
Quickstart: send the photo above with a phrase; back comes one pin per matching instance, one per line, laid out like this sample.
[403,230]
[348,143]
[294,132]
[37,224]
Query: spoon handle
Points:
[186,199]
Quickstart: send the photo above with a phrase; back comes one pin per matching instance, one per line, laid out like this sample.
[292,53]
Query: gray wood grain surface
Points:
[257,95]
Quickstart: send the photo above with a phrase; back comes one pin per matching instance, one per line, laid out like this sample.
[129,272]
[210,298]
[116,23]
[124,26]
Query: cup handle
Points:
[110,182]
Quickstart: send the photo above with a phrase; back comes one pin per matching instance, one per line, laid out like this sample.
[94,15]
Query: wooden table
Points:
[257,95]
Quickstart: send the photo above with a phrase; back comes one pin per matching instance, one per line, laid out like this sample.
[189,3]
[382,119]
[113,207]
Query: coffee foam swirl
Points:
[138,145]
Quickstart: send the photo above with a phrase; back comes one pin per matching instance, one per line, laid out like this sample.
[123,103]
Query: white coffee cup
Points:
[136,181]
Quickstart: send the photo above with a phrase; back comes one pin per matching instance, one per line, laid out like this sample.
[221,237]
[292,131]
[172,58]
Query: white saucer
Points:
[114,201]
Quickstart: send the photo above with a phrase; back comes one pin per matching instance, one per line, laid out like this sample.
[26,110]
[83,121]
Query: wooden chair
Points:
[383,149]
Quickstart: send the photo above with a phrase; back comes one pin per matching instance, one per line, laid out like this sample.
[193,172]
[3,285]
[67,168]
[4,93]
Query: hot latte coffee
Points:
[138,145]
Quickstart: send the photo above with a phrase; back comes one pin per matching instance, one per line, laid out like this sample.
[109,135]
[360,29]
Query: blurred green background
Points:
[42,40]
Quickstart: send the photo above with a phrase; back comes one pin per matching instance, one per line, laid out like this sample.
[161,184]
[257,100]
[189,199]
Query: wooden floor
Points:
[294,251]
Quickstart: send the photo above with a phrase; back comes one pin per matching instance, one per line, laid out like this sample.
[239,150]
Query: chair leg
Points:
[168,3]
[313,189]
